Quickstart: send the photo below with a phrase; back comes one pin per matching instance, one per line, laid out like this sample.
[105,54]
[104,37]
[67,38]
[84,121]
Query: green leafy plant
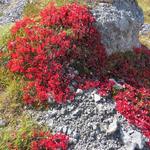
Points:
[18,135]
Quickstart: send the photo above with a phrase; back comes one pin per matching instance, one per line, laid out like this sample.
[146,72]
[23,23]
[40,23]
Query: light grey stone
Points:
[145,29]
[4,1]
[50,122]
[70,107]
[65,129]
[69,131]
[53,113]
[72,141]
[97,98]
[2,123]
[59,129]
[94,126]
[132,137]
[11,10]
[119,24]
[79,91]
[112,127]
[76,135]
[77,112]
[100,107]
[63,111]
[131,146]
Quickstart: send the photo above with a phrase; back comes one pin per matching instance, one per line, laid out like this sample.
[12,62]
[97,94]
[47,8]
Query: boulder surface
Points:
[119,22]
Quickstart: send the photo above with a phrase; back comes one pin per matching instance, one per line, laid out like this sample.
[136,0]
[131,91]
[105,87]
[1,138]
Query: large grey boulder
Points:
[11,10]
[119,22]
[4,1]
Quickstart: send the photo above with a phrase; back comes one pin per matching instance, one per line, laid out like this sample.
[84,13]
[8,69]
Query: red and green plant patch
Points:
[42,50]
[47,141]
[40,140]
[132,67]
[134,104]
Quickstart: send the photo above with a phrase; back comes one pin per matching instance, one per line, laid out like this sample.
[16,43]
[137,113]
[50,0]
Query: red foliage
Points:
[42,50]
[134,104]
[132,67]
[47,141]
[63,37]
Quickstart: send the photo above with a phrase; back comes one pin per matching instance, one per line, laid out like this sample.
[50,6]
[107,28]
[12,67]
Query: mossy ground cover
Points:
[19,135]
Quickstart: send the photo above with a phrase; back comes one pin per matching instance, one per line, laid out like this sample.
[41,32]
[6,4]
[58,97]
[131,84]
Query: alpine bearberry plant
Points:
[134,104]
[47,141]
[34,139]
[132,67]
[132,70]
[42,49]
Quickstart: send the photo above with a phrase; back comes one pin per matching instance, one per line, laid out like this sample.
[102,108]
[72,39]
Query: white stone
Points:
[138,139]
[112,127]
[134,137]
[131,146]
[2,123]
[99,107]
[97,98]
[79,91]
[50,123]
[65,128]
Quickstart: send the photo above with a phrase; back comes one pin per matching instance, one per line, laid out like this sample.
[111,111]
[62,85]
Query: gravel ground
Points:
[92,123]
[11,10]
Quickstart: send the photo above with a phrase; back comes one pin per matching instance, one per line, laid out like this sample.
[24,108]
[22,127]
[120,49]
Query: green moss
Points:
[19,124]
[10,95]
[1,14]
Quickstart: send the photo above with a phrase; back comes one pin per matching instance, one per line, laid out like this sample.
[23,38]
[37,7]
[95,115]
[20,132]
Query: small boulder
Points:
[2,123]
[112,128]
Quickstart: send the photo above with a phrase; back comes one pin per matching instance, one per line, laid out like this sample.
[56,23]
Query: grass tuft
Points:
[19,134]
[145,5]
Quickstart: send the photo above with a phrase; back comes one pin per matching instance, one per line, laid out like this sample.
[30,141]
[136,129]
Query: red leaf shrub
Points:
[41,50]
[39,140]
[132,67]
[47,141]
[134,104]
